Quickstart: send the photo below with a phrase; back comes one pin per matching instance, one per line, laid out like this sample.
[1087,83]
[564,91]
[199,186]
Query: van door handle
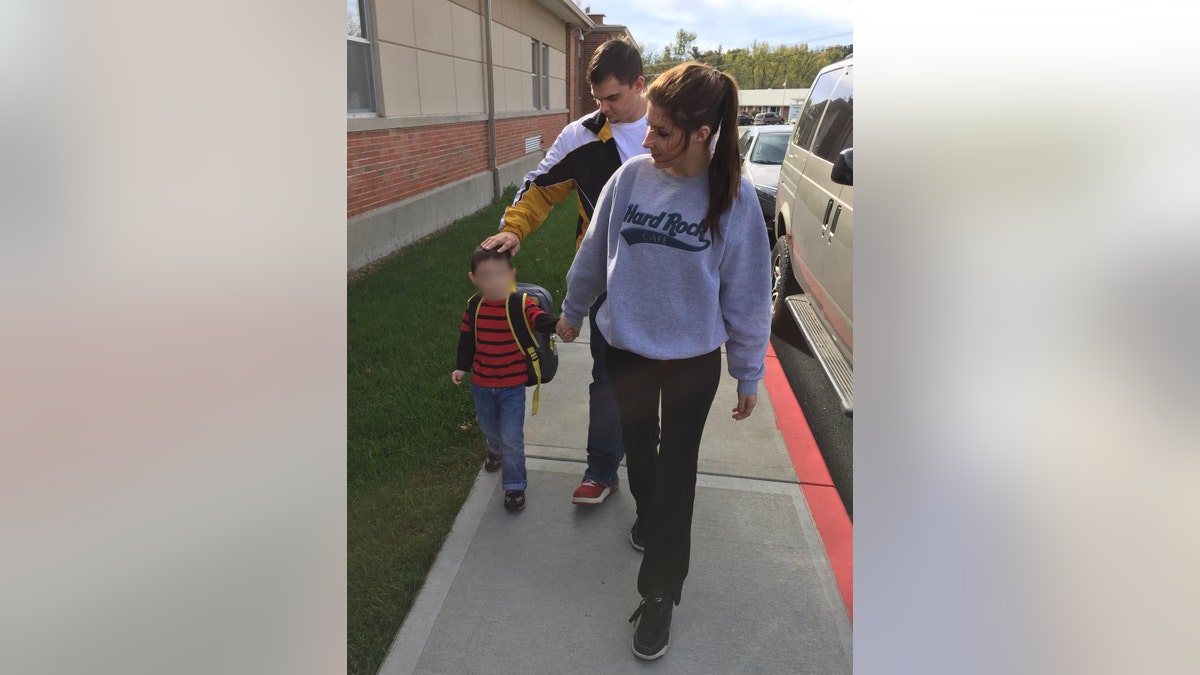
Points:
[825,220]
[836,215]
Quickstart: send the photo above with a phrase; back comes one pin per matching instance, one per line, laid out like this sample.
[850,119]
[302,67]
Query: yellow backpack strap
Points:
[533,355]
[536,390]
[530,348]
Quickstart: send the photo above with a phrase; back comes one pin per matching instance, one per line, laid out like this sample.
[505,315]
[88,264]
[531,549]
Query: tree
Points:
[759,66]
[683,44]
[713,57]
[651,57]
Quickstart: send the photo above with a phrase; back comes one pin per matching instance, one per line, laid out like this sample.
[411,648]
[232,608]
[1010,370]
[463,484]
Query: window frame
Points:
[758,143]
[821,135]
[365,38]
[744,142]
[535,57]
[545,76]
[833,76]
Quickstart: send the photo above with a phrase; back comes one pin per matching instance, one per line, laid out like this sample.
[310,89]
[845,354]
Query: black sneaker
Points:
[652,632]
[492,463]
[514,500]
[635,536]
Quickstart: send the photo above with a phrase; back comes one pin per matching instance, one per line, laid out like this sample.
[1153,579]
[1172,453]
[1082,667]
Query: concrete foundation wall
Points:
[378,233]
[513,172]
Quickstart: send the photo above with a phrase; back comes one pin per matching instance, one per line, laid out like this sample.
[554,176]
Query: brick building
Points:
[450,101]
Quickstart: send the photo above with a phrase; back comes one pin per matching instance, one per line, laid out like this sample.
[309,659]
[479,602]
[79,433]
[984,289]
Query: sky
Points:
[731,23]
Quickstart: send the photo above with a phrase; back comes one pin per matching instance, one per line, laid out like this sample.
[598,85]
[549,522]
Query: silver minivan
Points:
[812,261]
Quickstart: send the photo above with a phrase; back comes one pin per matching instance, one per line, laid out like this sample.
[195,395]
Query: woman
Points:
[677,241]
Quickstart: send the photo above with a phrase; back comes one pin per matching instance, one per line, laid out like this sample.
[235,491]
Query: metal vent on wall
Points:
[533,144]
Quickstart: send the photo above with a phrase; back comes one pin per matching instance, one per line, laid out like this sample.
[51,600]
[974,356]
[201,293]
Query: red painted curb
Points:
[833,523]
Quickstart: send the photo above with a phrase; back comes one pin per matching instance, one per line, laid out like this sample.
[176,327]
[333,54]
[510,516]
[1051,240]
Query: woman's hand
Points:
[566,331]
[745,406]
[457,376]
[506,241]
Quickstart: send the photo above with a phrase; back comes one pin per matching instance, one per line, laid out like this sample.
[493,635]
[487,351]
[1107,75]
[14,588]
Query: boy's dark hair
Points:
[617,58]
[482,254]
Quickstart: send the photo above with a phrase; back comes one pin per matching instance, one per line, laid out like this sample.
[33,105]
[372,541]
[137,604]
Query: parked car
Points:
[745,120]
[762,149]
[768,118]
[812,261]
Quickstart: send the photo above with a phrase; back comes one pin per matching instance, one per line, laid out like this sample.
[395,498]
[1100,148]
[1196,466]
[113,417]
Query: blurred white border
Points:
[1025,436]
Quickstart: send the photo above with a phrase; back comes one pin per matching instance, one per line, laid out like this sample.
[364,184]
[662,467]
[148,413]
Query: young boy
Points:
[497,366]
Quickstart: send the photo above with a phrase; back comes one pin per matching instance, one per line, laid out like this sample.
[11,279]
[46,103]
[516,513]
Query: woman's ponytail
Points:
[724,172]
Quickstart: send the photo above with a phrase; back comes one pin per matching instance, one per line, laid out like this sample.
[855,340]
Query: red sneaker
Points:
[593,492]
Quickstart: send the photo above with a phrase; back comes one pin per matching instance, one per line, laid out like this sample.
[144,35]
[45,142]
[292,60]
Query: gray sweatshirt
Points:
[674,291]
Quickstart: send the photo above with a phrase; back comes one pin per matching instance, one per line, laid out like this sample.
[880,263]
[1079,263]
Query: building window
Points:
[546,76]
[533,73]
[539,73]
[360,79]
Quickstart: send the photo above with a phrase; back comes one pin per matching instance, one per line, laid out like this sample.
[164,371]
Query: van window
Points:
[813,108]
[835,133]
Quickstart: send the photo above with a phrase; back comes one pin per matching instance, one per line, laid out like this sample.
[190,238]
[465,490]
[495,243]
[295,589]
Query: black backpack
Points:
[541,356]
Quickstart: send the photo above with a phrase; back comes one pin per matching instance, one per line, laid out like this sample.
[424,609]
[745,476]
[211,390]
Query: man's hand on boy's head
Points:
[506,241]
[458,376]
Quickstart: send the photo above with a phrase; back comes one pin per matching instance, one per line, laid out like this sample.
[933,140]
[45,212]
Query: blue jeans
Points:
[604,448]
[501,415]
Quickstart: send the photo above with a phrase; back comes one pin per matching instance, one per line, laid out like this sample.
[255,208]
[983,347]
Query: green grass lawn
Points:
[413,447]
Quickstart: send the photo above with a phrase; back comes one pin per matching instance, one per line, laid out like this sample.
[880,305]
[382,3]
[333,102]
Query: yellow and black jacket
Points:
[582,158]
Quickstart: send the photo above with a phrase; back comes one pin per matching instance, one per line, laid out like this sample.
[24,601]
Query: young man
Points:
[584,156]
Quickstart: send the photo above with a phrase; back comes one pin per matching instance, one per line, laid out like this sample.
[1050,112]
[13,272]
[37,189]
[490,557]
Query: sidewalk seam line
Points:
[698,473]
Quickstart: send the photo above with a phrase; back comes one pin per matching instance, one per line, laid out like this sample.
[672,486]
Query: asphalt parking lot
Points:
[832,430]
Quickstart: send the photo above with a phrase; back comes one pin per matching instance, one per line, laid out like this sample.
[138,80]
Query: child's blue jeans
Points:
[501,414]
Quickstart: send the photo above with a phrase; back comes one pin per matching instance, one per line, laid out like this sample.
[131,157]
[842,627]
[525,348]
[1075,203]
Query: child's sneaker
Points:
[514,500]
[492,463]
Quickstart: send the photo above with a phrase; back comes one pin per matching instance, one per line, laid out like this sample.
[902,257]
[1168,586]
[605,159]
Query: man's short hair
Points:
[617,58]
[480,254]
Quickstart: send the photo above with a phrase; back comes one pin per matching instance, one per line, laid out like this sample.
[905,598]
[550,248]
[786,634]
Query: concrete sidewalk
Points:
[549,589]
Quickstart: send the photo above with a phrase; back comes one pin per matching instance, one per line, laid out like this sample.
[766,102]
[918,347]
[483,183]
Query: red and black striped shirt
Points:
[492,354]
